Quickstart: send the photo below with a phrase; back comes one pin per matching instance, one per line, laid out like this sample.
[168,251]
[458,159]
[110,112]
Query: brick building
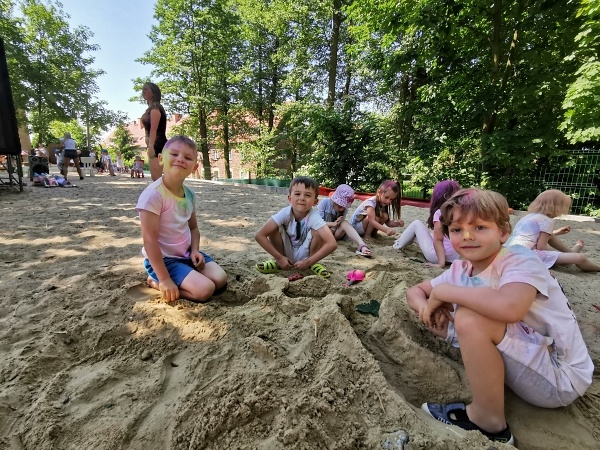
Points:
[217,159]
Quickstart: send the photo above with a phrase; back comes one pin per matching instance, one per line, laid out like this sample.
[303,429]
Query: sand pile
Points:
[91,358]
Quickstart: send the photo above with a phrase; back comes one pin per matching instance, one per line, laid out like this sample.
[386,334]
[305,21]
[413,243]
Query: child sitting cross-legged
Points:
[507,314]
[297,237]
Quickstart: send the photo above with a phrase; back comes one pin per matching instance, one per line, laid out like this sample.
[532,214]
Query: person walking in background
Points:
[437,249]
[536,232]
[70,153]
[173,260]
[154,120]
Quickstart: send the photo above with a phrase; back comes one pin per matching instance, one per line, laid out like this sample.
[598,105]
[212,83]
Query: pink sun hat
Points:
[343,196]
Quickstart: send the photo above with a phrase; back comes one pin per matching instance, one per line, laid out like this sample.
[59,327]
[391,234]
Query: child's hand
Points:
[560,231]
[284,263]
[431,314]
[198,259]
[434,266]
[302,265]
[390,232]
[168,290]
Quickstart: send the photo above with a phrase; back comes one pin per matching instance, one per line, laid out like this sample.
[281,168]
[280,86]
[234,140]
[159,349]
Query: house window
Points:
[243,175]
[215,154]
[215,174]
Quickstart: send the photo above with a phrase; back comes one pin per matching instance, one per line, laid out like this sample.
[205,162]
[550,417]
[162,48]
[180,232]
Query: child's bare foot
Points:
[153,284]
[577,247]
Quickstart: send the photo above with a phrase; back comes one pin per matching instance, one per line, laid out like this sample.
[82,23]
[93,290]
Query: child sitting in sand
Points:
[333,211]
[509,316]
[437,249]
[536,231]
[174,264]
[297,237]
[137,169]
[374,213]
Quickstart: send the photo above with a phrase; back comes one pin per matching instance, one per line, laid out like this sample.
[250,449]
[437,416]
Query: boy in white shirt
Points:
[297,237]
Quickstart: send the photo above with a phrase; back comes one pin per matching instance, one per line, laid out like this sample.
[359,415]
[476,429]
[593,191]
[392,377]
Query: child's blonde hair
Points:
[184,140]
[477,203]
[396,187]
[552,203]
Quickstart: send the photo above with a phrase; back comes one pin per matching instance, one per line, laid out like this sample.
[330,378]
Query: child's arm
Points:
[262,238]
[195,254]
[438,243]
[509,304]
[542,241]
[150,223]
[329,245]
[395,223]
[417,296]
[378,226]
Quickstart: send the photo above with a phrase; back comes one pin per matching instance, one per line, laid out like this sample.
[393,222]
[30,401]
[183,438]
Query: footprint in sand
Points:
[141,292]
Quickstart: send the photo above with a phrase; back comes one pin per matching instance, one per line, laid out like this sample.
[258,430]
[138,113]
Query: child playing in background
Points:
[107,162]
[297,237]
[437,249]
[511,319]
[120,166]
[333,211]
[374,213]
[175,265]
[536,231]
[137,169]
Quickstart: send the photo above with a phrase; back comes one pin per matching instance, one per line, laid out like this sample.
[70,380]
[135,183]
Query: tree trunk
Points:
[204,143]
[333,53]
[226,147]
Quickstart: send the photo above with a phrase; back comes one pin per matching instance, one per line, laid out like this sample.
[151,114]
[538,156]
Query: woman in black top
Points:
[155,124]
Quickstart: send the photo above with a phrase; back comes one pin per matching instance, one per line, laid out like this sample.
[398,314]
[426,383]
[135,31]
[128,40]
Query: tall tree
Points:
[57,56]
[187,55]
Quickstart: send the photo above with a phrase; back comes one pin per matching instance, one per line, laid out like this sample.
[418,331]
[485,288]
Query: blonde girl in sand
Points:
[536,232]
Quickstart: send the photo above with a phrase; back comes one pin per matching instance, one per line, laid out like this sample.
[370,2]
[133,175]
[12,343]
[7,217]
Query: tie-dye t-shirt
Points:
[550,314]
[174,235]
[528,229]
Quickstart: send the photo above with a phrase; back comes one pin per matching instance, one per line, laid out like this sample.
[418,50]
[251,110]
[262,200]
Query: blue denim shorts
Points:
[178,268]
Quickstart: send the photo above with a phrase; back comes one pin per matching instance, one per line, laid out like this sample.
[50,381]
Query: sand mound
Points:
[91,358]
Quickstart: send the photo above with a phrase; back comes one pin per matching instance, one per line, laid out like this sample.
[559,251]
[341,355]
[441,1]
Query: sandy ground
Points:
[91,358]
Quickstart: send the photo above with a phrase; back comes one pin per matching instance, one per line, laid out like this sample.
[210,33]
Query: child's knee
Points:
[203,291]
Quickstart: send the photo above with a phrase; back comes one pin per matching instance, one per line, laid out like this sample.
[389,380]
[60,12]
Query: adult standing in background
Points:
[70,152]
[155,125]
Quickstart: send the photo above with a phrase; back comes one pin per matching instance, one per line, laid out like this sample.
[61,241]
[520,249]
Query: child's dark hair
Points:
[397,188]
[477,203]
[442,191]
[184,140]
[308,182]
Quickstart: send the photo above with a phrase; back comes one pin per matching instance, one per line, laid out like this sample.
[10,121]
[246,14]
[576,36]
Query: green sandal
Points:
[320,270]
[268,267]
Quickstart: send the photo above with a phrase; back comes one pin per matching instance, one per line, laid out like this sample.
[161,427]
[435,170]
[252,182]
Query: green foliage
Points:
[124,142]
[49,66]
